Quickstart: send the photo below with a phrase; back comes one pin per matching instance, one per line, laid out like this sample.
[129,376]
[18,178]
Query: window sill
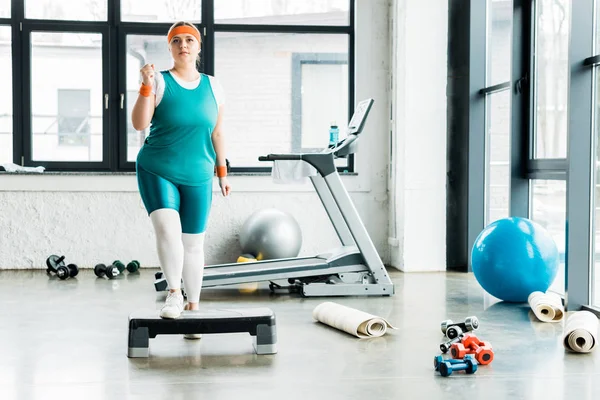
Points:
[127,182]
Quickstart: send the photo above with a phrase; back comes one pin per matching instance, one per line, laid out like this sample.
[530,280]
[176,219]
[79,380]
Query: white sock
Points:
[167,228]
[193,265]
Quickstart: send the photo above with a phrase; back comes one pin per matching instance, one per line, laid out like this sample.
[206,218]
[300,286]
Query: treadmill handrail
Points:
[275,157]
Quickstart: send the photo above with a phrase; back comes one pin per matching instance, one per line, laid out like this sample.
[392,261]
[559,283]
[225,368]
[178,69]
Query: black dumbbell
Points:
[449,327]
[133,266]
[447,367]
[120,266]
[437,360]
[56,265]
[101,269]
[53,262]
[69,271]
[445,346]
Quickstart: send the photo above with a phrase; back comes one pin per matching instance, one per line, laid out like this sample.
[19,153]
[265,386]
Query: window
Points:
[498,149]
[6,101]
[275,103]
[282,12]
[314,75]
[499,43]
[80,10]
[161,10]
[66,103]
[74,117]
[498,113]
[5,8]
[595,267]
[551,78]
[548,208]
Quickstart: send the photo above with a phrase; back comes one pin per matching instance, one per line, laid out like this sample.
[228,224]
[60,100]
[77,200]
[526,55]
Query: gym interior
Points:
[413,208]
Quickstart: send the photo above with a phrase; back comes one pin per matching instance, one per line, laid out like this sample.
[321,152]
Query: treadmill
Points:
[353,269]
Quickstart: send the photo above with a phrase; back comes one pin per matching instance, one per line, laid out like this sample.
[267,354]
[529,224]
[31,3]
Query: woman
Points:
[176,164]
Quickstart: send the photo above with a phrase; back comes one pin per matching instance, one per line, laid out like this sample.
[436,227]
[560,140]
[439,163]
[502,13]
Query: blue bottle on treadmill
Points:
[334,133]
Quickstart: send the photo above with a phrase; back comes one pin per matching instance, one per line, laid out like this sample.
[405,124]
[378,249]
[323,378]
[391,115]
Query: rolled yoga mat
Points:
[581,332]
[350,320]
[547,307]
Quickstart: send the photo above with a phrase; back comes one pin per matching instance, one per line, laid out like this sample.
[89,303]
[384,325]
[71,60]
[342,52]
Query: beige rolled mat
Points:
[547,307]
[581,332]
[350,320]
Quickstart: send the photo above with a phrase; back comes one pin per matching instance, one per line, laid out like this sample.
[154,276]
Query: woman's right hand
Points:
[147,72]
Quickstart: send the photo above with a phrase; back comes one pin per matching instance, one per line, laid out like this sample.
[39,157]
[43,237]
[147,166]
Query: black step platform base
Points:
[258,322]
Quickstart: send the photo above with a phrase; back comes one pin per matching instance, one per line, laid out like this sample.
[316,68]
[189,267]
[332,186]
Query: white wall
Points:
[418,171]
[98,218]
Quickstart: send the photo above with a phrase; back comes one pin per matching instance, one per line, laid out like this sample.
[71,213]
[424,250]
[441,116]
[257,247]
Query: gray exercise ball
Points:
[271,233]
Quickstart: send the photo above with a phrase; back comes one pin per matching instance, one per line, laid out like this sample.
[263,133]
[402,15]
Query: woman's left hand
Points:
[225,186]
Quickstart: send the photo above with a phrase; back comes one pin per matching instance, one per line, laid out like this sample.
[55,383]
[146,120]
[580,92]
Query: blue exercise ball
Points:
[513,257]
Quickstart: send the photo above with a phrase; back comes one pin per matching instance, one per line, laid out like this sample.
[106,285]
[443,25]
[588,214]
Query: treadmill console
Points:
[359,118]
[349,145]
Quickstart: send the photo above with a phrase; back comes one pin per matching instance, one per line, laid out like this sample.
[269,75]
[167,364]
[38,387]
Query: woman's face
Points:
[184,48]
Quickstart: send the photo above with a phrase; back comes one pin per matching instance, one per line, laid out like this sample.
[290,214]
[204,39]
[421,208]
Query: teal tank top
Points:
[179,147]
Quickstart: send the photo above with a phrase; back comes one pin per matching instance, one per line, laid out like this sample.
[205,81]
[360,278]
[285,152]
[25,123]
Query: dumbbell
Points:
[53,262]
[444,347]
[437,360]
[56,265]
[68,271]
[452,330]
[101,269]
[468,365]
[133,266]
[470,344]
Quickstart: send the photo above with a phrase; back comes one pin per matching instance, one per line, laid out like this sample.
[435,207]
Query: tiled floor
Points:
[68,340]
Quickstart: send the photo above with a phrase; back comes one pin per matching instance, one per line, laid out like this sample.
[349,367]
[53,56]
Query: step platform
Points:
[258,322]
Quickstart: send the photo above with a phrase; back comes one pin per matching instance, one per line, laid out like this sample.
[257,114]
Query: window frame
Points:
[28,27]
[114,33]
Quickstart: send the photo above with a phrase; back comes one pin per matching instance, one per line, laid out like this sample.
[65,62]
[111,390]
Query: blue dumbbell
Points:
[468,365]
[437,360]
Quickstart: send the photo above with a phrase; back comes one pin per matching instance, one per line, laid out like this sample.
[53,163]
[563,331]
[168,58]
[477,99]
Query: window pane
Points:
[552,73]
[272,108]
[283,12]
[595,273]
[161,10]
[142,50]
[66,105]
[80,10]
[499,41]
[5,8]
[6,101]
[549,209]
[498,156]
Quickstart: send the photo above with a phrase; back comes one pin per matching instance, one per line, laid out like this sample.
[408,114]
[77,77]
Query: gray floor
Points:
[68,340]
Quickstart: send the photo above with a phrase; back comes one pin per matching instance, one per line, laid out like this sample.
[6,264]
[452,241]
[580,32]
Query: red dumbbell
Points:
[470,344]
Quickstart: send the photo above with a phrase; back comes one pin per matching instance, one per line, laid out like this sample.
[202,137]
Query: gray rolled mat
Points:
[350,320]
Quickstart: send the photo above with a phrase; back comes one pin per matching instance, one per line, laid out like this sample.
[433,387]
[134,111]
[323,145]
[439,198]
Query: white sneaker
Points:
[173,306]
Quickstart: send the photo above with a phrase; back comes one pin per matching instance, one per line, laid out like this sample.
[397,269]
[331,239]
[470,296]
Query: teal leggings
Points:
[192,202]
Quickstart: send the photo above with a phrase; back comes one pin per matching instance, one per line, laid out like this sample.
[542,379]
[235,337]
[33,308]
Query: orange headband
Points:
[184,29]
